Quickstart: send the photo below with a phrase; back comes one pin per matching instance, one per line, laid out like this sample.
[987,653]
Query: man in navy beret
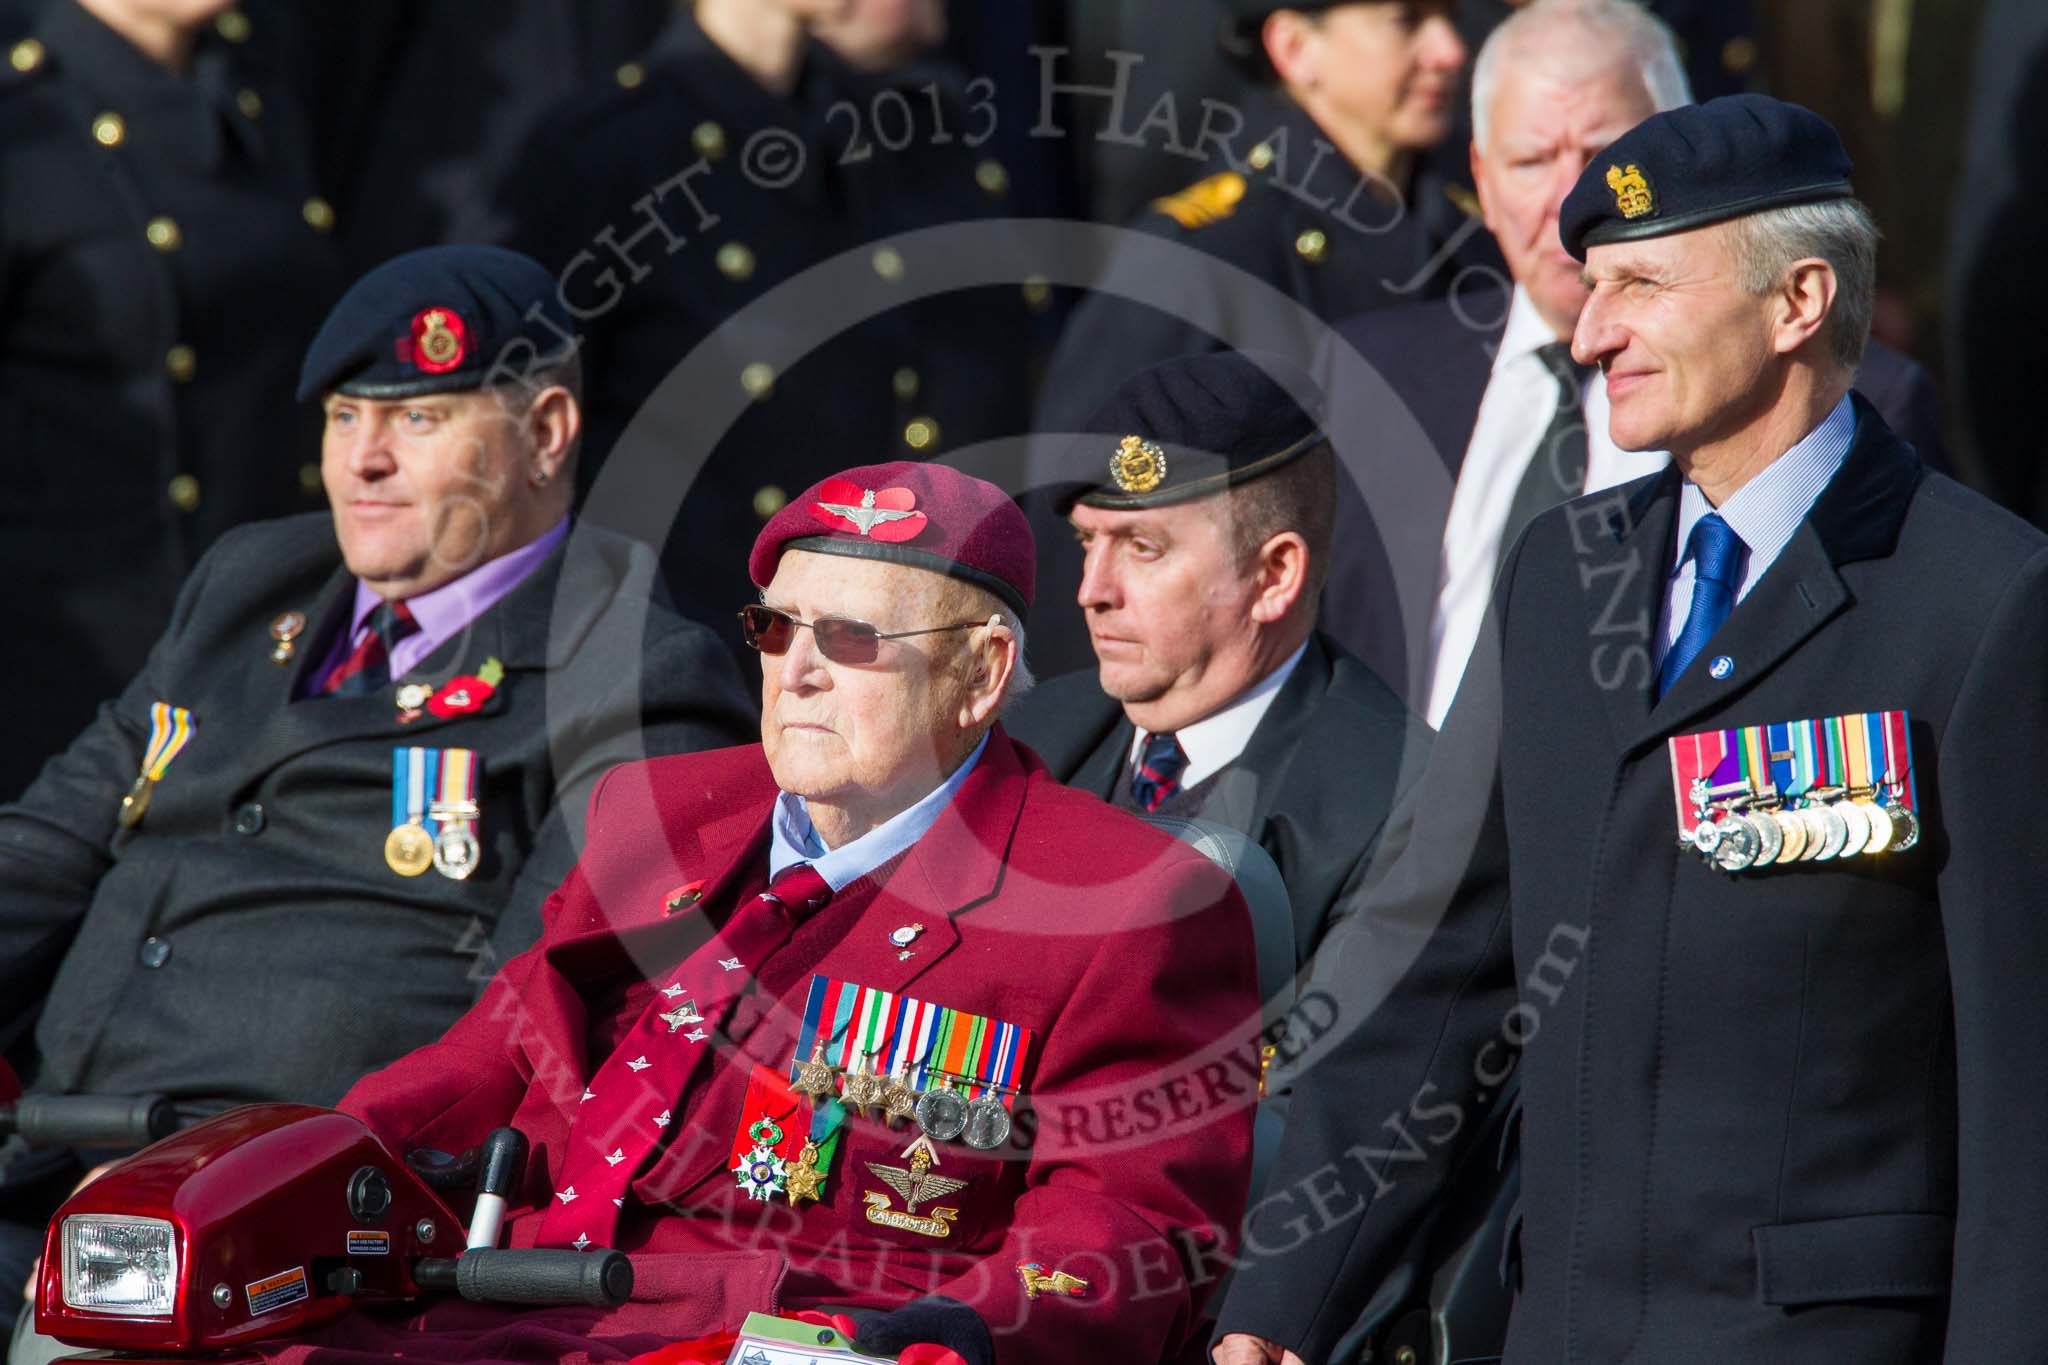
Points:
[1720,843]
[1205,519]
[355,764]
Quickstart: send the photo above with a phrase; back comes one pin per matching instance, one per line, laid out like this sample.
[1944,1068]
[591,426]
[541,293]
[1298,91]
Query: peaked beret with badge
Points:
[1702,164]
[927,516]
[1193,427]
[438,320]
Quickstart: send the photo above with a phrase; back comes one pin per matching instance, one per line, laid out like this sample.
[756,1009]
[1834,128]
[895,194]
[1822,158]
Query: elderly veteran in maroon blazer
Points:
[874,1016]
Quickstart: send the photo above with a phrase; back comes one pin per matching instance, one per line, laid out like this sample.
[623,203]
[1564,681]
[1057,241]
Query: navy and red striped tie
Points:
[1160,765]
[368,665]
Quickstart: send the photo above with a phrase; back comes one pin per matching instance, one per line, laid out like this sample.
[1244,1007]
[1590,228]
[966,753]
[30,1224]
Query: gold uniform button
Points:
[921,434]
[1312,246]
[1261,157]
[1037,293]
[904,383]
[182,362]
[184,491]
[1739,56]
[768,500]
[163,233]
[250,103]
[26,55]
[735,261]
[309,479]
[758,379]
[318,213]
[108,130]
[709,139]
[630,75]
[888,263]
[233,25]
[992,177]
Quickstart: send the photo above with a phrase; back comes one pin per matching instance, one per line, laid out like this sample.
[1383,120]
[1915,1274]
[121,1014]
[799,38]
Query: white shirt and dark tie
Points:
[1523,397]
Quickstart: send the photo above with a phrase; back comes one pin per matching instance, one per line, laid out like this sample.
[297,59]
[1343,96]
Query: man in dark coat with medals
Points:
[165,255]
[875,1017]
[337,794]
[1204,517]
[1717,848]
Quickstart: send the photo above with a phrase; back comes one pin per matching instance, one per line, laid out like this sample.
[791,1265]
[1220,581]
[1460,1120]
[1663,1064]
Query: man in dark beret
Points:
[1316,191]
[1718,843]
[874,1017]
[296,844]
[1205,526]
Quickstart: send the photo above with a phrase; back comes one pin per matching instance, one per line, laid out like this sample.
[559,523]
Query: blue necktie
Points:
[1716,554]
[1160,765]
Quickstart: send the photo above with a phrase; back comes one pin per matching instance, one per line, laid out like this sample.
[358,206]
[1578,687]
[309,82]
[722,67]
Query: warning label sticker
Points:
[277,1291]
[369,1243]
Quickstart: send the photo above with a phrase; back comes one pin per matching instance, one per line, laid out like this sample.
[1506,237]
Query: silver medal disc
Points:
[1738,847]
[1837,832]
[988,1124]
[942,1113]
[1905,827]
[1706,837]
[1770,837]
[456,852]
[1858,825]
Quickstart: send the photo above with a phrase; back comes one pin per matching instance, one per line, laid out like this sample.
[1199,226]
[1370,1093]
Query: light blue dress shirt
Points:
[793,839]
[1765,512]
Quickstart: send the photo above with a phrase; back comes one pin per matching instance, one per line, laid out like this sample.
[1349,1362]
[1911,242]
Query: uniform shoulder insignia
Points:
[1465,201]
[1205,201]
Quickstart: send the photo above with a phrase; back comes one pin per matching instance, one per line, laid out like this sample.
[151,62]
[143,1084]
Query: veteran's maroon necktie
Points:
[368,665]
[630,1102]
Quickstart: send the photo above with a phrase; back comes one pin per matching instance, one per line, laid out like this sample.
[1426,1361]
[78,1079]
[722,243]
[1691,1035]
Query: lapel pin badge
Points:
[902,938]
[1721,667]
[285,630]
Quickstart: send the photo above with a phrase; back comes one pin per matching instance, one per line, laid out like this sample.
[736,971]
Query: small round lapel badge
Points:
[1721,667]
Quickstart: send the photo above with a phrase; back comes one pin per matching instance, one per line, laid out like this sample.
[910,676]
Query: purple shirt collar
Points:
[447,610]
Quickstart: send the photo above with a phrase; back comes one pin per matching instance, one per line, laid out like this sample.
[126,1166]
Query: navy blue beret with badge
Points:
[1192,427]
[438,320]
[1701,164]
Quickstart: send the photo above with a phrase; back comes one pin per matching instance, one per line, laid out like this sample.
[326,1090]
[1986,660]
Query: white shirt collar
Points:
[1527,334]
[1213,741]
[793,839]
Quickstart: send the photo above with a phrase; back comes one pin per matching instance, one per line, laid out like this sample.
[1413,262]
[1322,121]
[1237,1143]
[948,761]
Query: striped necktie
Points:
[1160,765]
[368,666]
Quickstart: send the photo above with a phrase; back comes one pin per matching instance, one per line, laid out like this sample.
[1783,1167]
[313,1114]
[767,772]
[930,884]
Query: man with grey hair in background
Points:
[1717,853]
[1487,373]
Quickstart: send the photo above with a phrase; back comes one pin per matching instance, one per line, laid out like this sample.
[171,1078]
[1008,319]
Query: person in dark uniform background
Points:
[1717,852]
[164,255]
[1204,512]
[1319,194]
[211,894]
[663,220]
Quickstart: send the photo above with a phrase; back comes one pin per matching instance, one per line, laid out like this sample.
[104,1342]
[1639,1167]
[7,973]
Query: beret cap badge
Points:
[1138,465]
[889,515]
[437,340]
[1632,196]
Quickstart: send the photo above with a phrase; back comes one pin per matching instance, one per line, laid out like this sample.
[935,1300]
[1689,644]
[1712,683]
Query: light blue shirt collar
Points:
[1765,512]
[792,839]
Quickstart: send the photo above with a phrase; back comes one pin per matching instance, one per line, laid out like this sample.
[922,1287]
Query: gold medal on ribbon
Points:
[409,850]
[170,730]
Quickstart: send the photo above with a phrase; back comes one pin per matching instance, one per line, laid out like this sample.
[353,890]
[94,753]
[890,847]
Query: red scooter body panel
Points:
[259,1202]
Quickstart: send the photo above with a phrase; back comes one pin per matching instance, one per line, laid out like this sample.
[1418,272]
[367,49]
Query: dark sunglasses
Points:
[840,639]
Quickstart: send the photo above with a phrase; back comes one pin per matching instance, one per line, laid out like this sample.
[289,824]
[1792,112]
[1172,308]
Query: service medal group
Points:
[1803,791]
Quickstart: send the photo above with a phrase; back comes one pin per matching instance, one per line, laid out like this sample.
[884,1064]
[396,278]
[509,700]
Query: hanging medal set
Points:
[434,812]
[891,1059]
[1804,791]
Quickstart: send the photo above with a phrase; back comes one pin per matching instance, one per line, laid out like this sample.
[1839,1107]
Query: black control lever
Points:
[598,1278]
[112,1121]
